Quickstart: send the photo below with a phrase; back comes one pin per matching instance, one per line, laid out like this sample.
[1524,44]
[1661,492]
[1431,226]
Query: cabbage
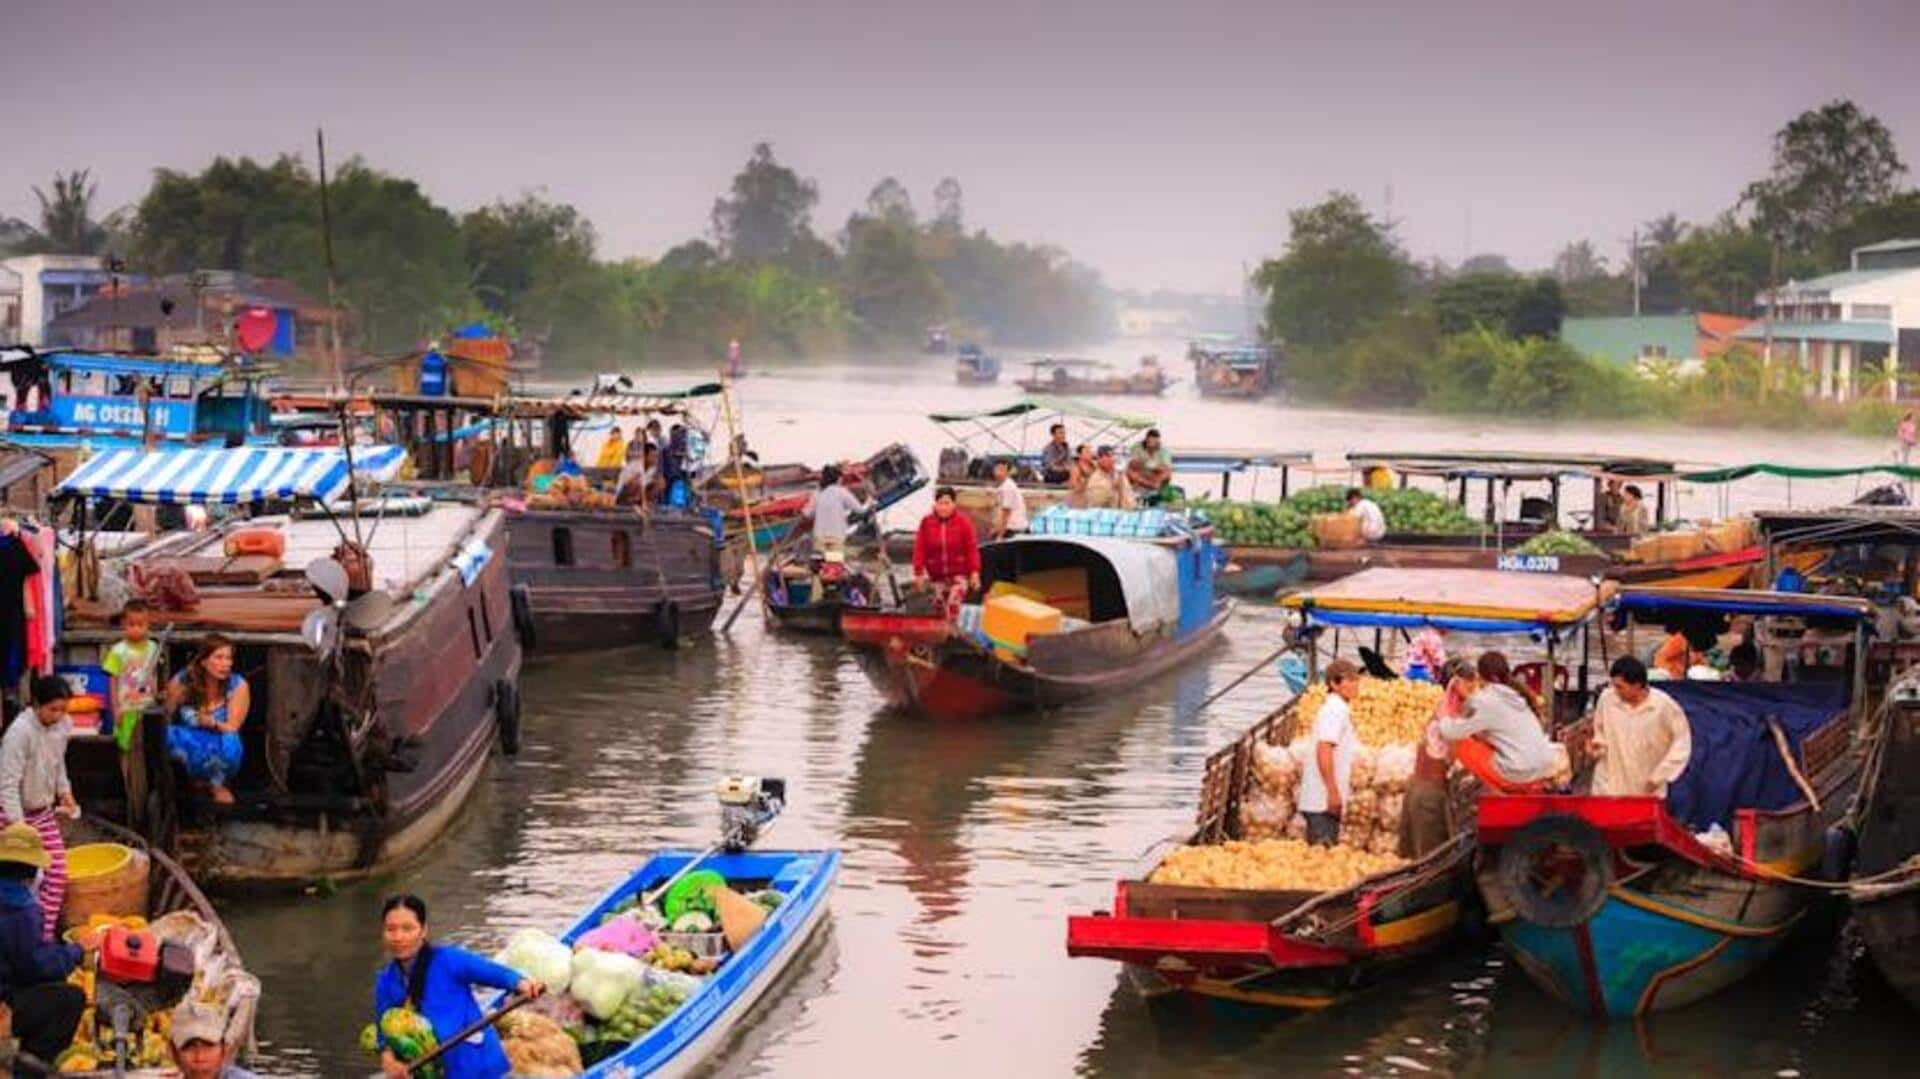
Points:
[602,981]
[540,957]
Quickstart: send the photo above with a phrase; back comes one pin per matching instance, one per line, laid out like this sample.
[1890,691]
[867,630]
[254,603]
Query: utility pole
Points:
[1633,260]
[326,246]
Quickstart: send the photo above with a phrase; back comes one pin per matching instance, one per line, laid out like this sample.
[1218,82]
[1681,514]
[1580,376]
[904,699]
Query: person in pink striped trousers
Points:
[34,788]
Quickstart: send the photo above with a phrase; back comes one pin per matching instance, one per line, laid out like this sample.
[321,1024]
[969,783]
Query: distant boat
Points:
[936,342]
[974,367]
[1234,371]
[1071,376]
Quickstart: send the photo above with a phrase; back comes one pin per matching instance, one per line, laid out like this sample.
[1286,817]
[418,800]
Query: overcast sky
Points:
[1161,142]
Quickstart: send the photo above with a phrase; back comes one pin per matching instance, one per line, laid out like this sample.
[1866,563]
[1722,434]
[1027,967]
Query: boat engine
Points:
[747,805]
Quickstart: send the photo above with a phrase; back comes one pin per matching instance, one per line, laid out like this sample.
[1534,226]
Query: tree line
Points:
[407,268]
[1364,323]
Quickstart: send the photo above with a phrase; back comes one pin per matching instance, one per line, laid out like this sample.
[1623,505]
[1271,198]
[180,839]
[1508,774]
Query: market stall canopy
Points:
[96,363]
[1137,580]
[1238,460]
[1467,600]
[1897,525]
[227,476]
[1799,472]
[1068,407]
[1655,604]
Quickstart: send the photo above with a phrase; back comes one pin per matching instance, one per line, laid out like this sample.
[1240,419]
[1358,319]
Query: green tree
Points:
[889,287]
[1721,266]
[949,205]
[1477,299]
[400,264]
[1538,310]
[1828,164]
[1578,263]
[237,214]
[1342,272]
[67,224]
[766,212]
[890,201]
[514,248]
[1895,217]
[1487,263]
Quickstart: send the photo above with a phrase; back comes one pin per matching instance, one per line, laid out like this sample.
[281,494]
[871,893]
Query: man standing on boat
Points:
[1009,503]
[1373,523]
[1150,469]
[1107,487]
[1324,782]
[1056,460]
[831,509]
[1640,736]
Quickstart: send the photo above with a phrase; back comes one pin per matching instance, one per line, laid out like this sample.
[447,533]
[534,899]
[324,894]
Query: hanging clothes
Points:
[17,564]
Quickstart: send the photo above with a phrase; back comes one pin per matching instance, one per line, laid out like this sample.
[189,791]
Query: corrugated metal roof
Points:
[1843,279]
[1876,333]
[1625,338]
[1888,245]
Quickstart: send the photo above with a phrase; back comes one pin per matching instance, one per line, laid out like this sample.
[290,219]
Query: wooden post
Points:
[326,247]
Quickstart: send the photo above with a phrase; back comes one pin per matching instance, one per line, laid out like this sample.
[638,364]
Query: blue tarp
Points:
[1810,607]
[1735,762]
[1324,617]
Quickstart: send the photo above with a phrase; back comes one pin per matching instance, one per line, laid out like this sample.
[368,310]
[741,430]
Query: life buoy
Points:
[522,602]
[1556,871]
[506,715]
[270,542]
[666,618]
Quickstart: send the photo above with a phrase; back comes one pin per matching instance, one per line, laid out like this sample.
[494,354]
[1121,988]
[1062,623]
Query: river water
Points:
[966,846]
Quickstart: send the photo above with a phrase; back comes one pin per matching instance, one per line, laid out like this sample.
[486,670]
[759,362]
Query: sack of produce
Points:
[1387,711]
[1276,769]
[624,935]
[538,1047]
[1385,841]
[602,981]
[1393,768]
[1360,778]
[1392,808]
[1264,815]
[538,956]
[1334,531]
[1296,828]
[1269,865]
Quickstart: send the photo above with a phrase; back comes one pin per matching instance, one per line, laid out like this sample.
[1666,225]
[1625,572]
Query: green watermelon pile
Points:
[1289,523]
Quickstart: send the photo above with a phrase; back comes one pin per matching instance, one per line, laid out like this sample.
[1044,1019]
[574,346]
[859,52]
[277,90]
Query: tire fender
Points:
[506,716]
[1556,871]
[522,601]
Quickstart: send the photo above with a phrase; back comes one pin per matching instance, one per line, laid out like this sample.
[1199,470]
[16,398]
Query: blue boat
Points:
[110,401]
[972,366]
[1622,906]
[703,1024]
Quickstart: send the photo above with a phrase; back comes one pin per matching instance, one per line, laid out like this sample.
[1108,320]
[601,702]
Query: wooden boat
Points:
[769,515]
[1234,371]
[695,1033]
[1141,608]
[974,367]
[1092,377]
[1304,949]
[363,740]
[812,597]
[180,911]
[107,400]
[1616,906]
[1885,892]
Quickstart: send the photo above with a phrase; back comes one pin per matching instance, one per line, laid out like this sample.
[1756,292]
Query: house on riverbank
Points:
[1683,339]
[192,309]
[35,290]
[1844,328]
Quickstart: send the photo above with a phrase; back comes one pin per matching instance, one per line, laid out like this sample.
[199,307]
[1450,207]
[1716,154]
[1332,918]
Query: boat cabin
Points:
[64,398]
[1234,370]
[1069,376]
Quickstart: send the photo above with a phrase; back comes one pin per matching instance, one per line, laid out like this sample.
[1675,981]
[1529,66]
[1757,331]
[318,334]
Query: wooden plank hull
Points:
[609,578]
[1888,913]
[956,680]
[1889,923]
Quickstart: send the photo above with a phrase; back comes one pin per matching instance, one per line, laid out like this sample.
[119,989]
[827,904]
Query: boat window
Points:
[563,546]
[486,621]
[622,548]
[473,631]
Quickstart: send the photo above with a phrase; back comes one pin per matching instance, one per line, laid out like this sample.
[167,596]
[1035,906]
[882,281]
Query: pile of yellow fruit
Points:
[1387,712]
[1270,865]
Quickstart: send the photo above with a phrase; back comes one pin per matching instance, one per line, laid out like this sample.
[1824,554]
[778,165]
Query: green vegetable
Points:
[409,1036]
[694,921]
[1557,543]
[1290,523]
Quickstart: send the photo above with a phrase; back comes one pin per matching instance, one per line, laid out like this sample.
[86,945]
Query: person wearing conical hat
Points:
[33,970]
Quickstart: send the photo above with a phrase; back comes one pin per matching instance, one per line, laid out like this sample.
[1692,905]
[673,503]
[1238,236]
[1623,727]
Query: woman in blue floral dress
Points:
[209,704]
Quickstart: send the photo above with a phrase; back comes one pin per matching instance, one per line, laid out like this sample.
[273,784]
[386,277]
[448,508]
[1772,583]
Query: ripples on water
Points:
[966,845]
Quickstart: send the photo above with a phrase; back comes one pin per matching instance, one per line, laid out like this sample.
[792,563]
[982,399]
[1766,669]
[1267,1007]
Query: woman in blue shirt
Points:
[438,980]
[210,702]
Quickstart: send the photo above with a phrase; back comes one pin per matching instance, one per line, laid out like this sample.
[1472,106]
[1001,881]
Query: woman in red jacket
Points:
[946,553]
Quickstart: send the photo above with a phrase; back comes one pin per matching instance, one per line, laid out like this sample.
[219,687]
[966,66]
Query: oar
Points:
[475,1027]
[758,590]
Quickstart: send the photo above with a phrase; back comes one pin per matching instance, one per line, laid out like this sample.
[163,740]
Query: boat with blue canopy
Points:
[106,399]
[1622,905]
[975,366]
[379,648]
[1089,601]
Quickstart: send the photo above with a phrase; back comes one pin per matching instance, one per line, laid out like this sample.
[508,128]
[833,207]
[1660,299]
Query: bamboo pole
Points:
[736,450]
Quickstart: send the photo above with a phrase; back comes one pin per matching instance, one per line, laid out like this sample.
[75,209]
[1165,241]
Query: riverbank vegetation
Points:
[1365,325]
[407,268]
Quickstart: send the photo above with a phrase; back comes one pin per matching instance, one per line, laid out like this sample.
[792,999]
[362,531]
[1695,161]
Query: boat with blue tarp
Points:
[379,651]
[1626,905]
[1089,601]
[1299,948]
[108,400]
[975,366]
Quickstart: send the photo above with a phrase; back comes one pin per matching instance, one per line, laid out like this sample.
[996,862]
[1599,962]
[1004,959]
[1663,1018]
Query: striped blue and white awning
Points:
[228,476]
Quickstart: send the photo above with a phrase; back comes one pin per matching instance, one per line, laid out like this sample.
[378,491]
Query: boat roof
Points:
[1243,357]
[152,366]
[227,476]
[1801,472]
[1238,460]
[1472,600]
[1842,524]
[1655,602]
[1066,407]
[1147,573]
[1493,464]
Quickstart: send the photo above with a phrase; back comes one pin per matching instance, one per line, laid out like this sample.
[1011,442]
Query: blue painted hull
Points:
[1628,960]
[702,1025]
[62,441]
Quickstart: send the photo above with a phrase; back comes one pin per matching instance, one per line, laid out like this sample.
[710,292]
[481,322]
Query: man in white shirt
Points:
[1009,503]
[1326,781]
[1373,523]
[1640,735]
[831,509]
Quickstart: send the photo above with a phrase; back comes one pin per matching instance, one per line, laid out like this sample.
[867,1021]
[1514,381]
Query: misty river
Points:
[967,845]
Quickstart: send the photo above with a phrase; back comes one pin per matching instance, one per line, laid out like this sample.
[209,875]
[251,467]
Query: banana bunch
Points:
[1270,865]
[1387,712]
